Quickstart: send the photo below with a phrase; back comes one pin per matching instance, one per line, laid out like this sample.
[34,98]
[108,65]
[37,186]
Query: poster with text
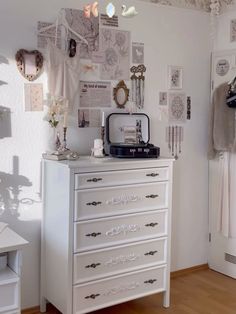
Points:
[95,94]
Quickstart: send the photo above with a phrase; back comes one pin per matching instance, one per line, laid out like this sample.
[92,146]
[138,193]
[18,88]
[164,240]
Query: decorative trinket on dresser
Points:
[98,149]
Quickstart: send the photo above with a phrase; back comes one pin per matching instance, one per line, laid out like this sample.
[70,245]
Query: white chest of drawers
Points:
[105,233]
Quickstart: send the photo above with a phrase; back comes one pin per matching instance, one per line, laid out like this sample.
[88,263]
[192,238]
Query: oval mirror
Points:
[121,94]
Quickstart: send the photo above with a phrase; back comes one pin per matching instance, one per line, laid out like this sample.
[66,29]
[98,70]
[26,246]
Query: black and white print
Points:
[138,53]
[175,77]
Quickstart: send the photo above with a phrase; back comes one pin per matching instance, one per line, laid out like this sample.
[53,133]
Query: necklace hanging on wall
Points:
[138,85]
[174,138]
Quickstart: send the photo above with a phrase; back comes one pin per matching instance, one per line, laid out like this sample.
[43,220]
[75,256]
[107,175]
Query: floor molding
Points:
[186,271]
[174,274]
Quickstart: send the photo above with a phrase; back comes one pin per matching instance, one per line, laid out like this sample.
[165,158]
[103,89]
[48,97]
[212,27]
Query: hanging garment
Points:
[222,123]
[227,209]
[63,74]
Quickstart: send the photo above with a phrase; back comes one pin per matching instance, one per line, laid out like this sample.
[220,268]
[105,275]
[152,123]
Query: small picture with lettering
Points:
[95,94]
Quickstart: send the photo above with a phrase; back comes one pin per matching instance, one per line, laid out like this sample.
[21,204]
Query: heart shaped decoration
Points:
[29,63]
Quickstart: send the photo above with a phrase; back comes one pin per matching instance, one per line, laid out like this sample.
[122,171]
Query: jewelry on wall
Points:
[174,138]
[138,85]
[189,108]
[29,63]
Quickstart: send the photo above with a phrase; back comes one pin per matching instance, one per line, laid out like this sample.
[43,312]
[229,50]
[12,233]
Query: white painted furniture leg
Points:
[43,305]
[166,299]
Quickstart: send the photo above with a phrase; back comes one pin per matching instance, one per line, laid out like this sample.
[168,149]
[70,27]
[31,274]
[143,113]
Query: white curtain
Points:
[227,194]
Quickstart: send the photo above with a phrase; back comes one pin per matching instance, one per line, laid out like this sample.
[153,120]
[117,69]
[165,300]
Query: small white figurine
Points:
[130,12]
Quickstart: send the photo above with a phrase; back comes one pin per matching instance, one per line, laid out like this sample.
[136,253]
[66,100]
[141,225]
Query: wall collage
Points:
[87,47]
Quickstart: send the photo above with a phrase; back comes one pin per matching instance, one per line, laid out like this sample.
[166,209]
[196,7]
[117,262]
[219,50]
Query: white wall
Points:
[171,36]
[222,39]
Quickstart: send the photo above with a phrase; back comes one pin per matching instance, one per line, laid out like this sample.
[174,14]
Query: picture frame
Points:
[175,77]
[233,30]
[177,107]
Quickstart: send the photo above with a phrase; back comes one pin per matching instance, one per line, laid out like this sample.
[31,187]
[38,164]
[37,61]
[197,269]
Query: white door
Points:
[222,251]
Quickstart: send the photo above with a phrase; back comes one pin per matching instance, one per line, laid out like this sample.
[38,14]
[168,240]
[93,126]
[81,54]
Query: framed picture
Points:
[233,30]
[162,99]
[177,107]
[175,77]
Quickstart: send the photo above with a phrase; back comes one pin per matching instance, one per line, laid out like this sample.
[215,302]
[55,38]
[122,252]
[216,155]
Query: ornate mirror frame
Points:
[120,86]
[20,61]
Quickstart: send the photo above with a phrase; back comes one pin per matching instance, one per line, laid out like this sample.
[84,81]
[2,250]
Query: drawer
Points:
[100,179]
[93,203]
[105,232]
[9,291]
[103,293]
[108,262]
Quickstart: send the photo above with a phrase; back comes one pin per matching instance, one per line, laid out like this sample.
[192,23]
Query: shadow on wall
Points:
[12,205]
[5,113]
[5,122]
[10,189]
[3,60]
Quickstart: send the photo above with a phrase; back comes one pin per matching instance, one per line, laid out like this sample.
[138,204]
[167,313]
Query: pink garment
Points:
[63,74]
[227,212]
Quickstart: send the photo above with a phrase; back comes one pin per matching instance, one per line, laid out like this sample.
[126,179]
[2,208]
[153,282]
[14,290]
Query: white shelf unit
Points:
[11,243]
[106,232]
[9,290]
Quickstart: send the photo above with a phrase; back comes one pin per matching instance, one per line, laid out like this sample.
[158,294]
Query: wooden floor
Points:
[202,292]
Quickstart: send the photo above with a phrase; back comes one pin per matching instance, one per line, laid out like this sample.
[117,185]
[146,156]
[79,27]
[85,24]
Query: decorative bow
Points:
[91,8]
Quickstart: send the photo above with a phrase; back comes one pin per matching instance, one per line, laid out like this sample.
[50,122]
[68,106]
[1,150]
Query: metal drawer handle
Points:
[94,204]
[152,224]
[151,281]
[152,196]
[94,234]
[93,265]
[153,175]
[92,296]
[151,253]
[95,180]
